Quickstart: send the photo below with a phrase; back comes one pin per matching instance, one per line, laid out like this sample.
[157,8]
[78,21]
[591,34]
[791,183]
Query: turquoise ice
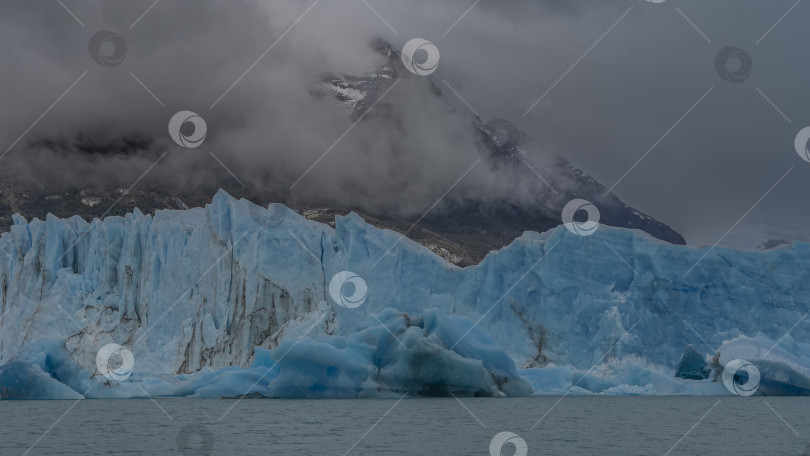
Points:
[234,299]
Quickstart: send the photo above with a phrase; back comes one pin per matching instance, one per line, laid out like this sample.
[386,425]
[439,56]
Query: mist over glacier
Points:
[233,299]
[500,59]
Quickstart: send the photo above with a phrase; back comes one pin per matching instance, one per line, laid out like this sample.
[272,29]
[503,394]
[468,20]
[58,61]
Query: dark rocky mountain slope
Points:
[462,230]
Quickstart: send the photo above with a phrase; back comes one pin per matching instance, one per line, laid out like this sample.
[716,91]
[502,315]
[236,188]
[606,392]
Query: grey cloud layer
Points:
[501,57]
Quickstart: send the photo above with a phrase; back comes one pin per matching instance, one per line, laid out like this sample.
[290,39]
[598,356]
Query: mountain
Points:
[236,299]
[773,244]
[462,230]
[507,146]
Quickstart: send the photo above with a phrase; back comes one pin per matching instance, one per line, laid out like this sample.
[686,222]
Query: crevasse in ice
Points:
[233,299]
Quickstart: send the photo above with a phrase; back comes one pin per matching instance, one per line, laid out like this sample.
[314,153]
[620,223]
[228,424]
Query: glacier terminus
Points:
[239,300]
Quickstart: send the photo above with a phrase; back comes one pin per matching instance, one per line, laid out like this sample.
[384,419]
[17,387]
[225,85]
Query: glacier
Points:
[233,300]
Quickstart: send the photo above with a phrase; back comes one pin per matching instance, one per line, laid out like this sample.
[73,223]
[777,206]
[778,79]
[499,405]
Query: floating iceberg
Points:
[234,300]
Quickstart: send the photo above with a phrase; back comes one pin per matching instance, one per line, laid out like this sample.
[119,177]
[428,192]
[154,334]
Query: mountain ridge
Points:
[504,143]
[462,229]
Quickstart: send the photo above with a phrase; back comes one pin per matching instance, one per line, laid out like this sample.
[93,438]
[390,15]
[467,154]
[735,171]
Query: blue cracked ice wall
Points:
[192,293]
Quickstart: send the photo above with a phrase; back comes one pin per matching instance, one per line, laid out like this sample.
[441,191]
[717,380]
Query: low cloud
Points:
[501,57]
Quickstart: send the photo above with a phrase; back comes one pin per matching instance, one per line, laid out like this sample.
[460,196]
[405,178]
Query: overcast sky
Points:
[619,77]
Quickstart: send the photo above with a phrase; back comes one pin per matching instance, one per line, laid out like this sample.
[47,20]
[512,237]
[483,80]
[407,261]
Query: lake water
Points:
[574,425]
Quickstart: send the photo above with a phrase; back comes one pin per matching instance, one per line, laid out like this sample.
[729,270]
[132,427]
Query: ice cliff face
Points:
[192,294]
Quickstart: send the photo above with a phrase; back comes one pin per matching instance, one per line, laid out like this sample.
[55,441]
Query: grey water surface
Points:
[572,425]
